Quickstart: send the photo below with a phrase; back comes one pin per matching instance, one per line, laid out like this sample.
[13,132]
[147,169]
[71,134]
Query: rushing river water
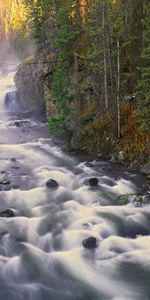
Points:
[41,252]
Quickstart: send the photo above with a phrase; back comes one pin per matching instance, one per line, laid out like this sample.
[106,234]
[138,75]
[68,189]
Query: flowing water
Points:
[41,251]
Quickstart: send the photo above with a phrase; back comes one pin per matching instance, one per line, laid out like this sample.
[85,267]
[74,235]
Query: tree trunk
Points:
[105,61]
[118,88]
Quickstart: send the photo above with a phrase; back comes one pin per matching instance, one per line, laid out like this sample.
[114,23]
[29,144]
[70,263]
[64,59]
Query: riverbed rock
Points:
[13,159]
[52,184]
[146,169]
[93,182]
[4,182]
[27,80]
[17,124]
[89,165]
[8,213]
[121,156]
[90,243]
[33,81]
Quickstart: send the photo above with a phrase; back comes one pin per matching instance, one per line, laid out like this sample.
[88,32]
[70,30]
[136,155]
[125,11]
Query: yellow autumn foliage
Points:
[13,18]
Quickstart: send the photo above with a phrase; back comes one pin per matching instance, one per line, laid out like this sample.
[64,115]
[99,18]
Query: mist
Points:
[12,54]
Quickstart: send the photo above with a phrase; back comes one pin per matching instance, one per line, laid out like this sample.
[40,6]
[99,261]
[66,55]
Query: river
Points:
[42,254]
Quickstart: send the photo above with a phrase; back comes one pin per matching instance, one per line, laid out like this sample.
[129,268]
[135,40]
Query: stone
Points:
[90,243]
[12,159]
[8,213]
[17,124]
[31,80]
[51,183]
[146,169]
[121,156]
[93,181]
[114,158]
[4,182]
[89,165]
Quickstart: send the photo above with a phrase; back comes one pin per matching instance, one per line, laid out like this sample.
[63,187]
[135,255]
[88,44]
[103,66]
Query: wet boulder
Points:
[8,213]
[51,184]
[121,156]
[89,164]
[93,181]
[5,185]
[146,169]
[17,124]
[13,159]
[4,182]
[90,243]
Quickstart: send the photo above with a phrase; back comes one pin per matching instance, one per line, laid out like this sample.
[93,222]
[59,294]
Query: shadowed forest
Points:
[98,60]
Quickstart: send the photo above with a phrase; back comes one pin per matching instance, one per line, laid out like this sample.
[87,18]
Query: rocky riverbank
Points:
[93,136]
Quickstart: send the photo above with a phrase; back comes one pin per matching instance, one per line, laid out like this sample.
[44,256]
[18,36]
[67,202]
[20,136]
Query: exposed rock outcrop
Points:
[33,80]
[146,169]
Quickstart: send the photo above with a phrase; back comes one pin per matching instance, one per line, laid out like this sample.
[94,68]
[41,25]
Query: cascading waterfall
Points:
[42,256]
[7,87]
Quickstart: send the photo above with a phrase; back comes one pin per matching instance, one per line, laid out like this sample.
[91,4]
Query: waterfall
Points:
[11,100]
[8,92]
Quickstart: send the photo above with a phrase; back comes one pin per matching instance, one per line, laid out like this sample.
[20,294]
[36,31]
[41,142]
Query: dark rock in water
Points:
[89,165]
[93,181]
[15,167]
[17,124]
[12,159]
[15,187]
[4,182]
[8,213]
[51,183]
[90,243]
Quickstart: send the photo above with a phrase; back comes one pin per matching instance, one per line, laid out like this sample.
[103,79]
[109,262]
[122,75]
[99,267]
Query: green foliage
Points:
[61,97]
[67,31]
[88,117]
[137,200]
[39,13]
[60,87]
[56,125]
[121,200]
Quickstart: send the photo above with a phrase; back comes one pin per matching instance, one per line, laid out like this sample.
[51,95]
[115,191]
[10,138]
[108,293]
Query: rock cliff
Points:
[33,80]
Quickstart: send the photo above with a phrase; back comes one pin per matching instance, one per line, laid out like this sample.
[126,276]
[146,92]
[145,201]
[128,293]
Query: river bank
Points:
[87,133]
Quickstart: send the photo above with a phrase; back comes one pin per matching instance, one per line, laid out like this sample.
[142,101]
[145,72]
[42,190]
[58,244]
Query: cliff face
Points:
[33,80]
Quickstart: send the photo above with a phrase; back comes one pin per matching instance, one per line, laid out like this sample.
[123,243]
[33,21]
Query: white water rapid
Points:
[41,252]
